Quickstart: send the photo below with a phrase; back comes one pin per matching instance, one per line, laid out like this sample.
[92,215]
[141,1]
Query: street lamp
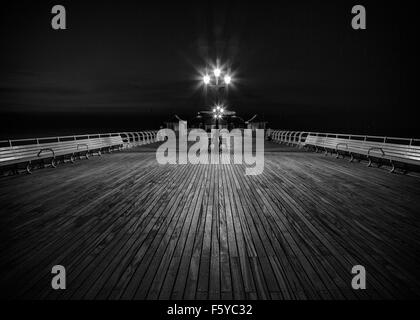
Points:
[214,81]
[218,79]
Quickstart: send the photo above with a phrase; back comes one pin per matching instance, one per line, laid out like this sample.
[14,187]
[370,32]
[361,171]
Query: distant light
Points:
[227,79]
[219,116]
[218,107]
[206,79]
[221,110]
[215,116]
[214,110]
[217,72]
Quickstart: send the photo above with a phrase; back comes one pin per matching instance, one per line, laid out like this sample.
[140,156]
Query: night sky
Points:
[131,65]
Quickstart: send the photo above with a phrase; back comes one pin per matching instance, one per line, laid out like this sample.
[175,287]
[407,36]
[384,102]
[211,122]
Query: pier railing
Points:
[299,138]
[130,139]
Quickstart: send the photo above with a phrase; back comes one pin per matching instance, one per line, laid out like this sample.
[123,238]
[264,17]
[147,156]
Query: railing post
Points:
[300,138]
[295,136]
[138,138]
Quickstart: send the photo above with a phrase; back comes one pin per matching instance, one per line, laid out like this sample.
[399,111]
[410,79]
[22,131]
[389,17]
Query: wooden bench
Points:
[39,151]
[401,153]
[397,152]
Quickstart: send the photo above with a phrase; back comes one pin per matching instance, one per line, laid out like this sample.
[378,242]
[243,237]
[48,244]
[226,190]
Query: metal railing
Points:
[138,138]
[130,139]
[298,138]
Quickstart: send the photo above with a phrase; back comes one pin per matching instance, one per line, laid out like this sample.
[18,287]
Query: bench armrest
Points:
[46,149]
[376,148]
[83,145]
[341,143]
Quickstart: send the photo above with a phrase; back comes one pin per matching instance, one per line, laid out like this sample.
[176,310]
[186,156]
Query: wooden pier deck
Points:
[127,228]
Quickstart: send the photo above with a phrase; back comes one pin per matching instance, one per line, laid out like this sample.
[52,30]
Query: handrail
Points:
[296,137]
[127,135]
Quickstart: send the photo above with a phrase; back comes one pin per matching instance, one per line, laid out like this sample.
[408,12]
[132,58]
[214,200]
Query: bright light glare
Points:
[214,110]
[215,116]
[219,116]
[217,72]
[228,79]
[206,79]
[221,110]
[218,107]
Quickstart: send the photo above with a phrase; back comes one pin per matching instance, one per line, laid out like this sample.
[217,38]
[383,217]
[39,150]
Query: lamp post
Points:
[218,114]
[219,80]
